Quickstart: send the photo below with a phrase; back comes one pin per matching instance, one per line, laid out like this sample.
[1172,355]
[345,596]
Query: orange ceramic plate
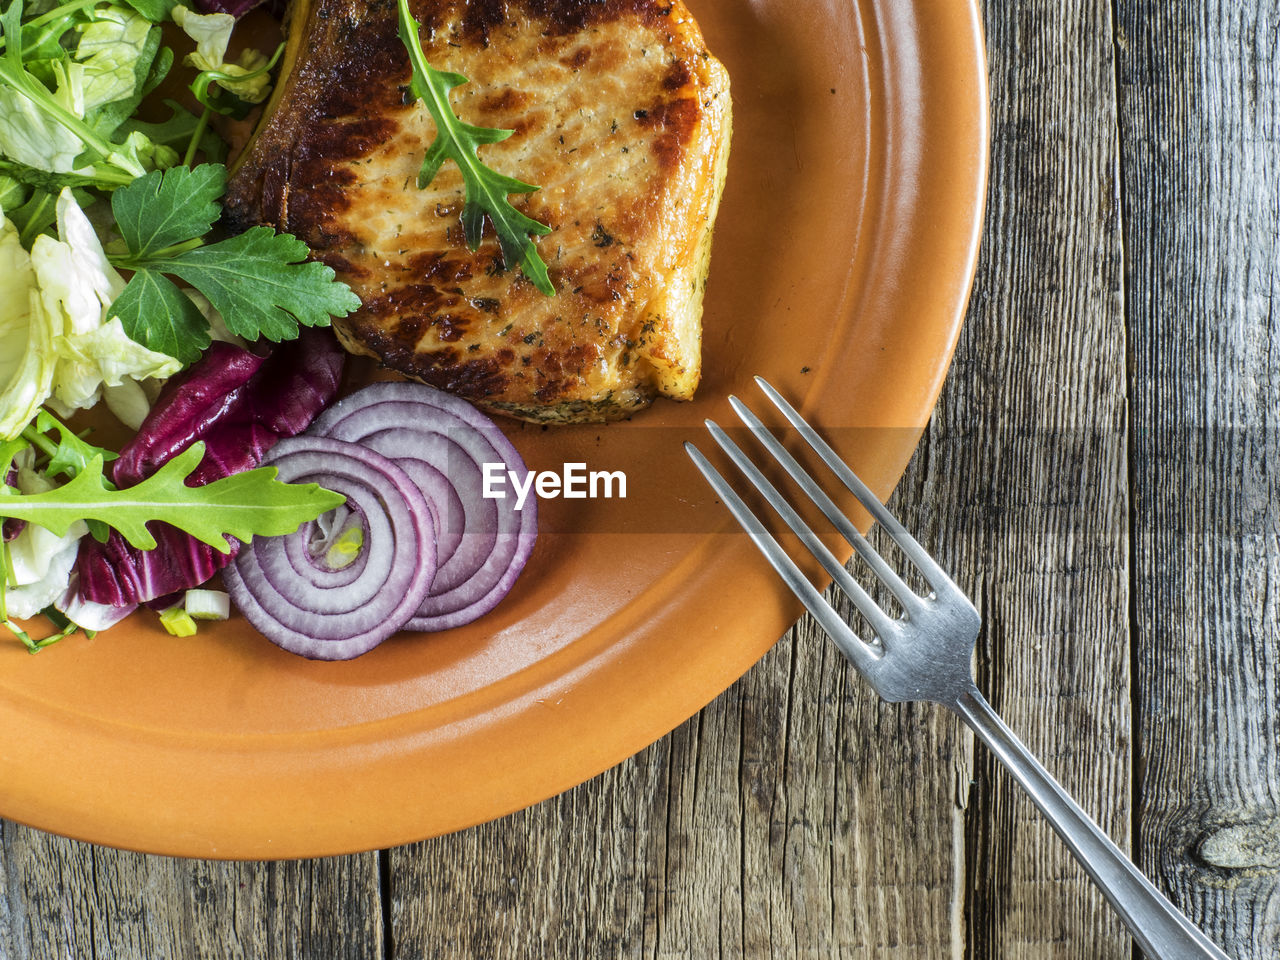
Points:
[843,256]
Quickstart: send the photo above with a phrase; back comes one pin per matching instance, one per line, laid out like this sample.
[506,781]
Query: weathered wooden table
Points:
[1100,474]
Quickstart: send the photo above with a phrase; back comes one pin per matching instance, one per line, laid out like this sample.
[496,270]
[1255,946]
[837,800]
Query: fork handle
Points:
[1159,928]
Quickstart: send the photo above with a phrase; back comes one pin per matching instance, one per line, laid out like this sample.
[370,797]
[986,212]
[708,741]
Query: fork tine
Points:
[887,575]
[859,652]
[881,622]
[937,577]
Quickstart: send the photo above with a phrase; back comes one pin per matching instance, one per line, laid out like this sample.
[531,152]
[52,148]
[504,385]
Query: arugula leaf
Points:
[160,68]
[63,628]
[34,217]
[8,450]
[42,41]
[72,454]
[67,457]
[46,180]
[486,189]
[31,645]
[161,209]
[243,505]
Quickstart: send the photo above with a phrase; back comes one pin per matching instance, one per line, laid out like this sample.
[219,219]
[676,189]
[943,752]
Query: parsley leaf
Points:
[161,209]
[486,189]
[243,505]
[156,314]
[262,284]
[260,281]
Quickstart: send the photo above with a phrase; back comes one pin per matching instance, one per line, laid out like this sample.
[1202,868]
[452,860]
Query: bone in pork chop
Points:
[620,114]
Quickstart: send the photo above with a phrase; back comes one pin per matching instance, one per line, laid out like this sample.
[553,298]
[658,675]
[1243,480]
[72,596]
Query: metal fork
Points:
[924,655]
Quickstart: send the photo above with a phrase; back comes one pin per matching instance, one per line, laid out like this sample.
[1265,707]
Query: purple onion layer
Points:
[485,543]
[294,602]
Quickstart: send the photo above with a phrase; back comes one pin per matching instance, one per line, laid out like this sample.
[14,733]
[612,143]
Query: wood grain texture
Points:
[1028,447]
[773,824]
[1099,475]
[1200,95]
[65,899]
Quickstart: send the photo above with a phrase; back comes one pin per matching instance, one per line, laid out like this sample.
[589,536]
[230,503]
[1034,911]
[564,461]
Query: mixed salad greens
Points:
[113,279]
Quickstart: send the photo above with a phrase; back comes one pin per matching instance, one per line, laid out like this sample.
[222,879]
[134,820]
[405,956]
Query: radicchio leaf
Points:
[188,407]
[239,404]
[238,8]
[117,574]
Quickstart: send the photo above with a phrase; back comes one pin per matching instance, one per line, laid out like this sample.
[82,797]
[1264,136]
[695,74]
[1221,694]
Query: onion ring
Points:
[302,605]
[443,442]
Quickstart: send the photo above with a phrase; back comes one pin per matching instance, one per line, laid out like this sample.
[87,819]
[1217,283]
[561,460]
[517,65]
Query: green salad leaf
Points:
[262,284]
[160,210]
[178,131]
[116,50]
[70,454]
[243,505]
[158,315]
[157,11]
[486,189]
[260,281]
[58,112]
[232,89]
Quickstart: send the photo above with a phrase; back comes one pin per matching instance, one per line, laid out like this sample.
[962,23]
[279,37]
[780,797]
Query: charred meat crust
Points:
[619,113]
[559,17]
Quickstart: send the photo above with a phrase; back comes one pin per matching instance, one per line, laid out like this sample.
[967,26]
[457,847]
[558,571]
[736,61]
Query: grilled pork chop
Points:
[620,114]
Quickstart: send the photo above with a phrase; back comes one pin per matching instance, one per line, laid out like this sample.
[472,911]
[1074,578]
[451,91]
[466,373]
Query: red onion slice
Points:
[443,442]
[303,558]
[295,600]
